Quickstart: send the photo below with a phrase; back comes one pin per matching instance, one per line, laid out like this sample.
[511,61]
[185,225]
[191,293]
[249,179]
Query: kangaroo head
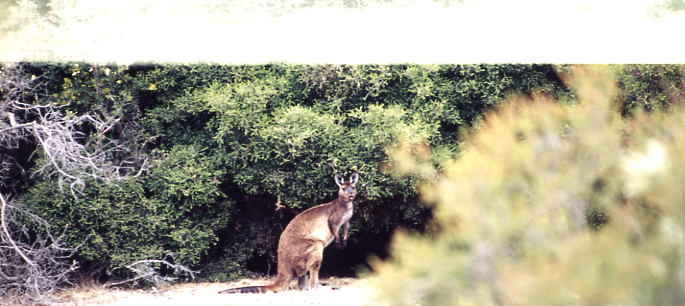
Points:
[347,190]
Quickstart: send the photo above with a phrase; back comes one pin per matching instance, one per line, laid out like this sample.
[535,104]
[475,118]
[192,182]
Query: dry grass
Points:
[334,291]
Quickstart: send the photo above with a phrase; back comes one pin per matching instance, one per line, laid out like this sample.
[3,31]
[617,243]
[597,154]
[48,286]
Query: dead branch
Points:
[33,265]
[8,236]
[148,271]
[70,154]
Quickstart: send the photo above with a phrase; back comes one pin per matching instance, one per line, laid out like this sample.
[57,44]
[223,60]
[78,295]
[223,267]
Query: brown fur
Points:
[300,247]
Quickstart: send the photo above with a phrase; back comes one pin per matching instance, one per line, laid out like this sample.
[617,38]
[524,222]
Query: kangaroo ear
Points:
[354,178]
[339,180]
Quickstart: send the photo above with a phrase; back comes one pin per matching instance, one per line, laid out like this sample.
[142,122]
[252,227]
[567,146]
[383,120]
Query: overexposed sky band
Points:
[347,31]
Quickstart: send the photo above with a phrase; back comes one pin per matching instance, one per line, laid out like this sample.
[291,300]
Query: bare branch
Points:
[7,232]
[70,154]
[146,270]
[33,265]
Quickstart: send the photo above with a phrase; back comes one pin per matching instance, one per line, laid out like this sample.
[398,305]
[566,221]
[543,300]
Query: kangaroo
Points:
[300,247]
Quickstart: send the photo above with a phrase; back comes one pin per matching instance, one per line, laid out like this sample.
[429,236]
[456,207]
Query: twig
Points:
[144,270]
[33,265]
[8,236]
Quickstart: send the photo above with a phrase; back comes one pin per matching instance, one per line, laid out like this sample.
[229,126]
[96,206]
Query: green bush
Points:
[175,213]
[116,225]
[650,87]
[551,204]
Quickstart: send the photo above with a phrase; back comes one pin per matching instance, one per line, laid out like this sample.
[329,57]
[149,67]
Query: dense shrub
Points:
[116,225]
[175,213]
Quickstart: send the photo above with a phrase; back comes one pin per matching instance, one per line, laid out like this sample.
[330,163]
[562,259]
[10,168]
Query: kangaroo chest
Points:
[345,216]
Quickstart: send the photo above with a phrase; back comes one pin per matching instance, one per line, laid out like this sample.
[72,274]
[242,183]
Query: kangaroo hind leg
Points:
[314,277]
[313,266]
[303,281]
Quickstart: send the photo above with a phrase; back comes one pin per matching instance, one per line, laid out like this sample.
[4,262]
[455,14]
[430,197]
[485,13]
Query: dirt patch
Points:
[334,291]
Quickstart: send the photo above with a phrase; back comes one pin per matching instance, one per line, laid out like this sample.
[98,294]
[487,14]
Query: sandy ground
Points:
[335,291]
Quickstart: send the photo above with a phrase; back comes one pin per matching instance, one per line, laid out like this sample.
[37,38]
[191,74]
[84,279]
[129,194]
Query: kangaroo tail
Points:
[249,289]
[280,284]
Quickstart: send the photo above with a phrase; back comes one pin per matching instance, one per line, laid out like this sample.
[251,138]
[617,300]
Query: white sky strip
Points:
[241,31]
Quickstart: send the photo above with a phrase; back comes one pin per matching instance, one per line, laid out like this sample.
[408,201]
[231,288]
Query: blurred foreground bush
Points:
[552,204]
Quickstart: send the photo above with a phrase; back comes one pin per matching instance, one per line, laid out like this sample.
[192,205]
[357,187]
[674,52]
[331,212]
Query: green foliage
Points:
[177,212]
[107,89]
[649,87]
[116,225]
[188,178]
[189,182]
[551,204]
[229,143]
